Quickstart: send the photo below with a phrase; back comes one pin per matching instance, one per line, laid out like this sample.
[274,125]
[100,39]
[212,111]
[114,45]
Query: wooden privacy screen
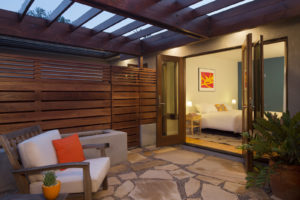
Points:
[75,97]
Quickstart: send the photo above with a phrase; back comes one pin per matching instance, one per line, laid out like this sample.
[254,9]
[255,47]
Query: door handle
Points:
[162,103]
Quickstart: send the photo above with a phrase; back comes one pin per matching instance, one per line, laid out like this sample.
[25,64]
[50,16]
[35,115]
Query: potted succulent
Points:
[51,186]
[278,140]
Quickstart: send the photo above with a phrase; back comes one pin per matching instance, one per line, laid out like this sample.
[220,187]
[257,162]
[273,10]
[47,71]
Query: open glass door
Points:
[247,97]
[258,78]
[171,100]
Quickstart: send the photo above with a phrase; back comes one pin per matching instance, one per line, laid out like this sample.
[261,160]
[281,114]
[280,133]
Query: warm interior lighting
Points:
[189,104]
[233,101]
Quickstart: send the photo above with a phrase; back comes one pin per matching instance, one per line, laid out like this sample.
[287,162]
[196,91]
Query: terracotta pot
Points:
[51,192]
[285,182]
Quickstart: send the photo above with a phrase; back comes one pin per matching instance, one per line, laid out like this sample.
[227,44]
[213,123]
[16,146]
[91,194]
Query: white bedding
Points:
[225,120]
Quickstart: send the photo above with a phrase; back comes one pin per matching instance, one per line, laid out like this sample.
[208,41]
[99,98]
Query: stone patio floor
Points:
[172,173]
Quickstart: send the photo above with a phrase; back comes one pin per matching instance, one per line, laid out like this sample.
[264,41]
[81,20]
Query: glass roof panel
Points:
[119,25]
[11,5]
[229,7]
[201,3]
[75,11]
[43,8]
[137,30]
[153,34]
[103,16]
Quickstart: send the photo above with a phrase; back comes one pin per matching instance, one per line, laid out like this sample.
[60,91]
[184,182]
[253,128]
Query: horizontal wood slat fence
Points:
[75,97]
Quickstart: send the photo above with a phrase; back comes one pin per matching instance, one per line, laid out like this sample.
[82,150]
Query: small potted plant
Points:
[278,140]
[51,186]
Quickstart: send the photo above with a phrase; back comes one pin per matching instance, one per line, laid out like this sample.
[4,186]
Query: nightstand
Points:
[193,121]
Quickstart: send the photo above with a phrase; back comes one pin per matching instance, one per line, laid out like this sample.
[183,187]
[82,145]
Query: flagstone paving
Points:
[171,173]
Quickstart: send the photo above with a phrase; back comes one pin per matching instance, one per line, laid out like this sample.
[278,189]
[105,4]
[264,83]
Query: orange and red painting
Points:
[206,80]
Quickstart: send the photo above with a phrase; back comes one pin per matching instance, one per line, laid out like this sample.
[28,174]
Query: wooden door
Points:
[171,100]
[247,97]
[258,78]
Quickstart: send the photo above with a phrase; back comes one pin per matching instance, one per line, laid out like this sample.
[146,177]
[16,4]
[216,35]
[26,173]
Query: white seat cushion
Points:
[72,179]
[38,150]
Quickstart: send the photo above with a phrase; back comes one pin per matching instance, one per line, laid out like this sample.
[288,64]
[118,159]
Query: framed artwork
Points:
[206,80]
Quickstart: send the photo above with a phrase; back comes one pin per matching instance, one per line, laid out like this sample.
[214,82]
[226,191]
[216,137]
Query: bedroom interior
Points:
[214,117]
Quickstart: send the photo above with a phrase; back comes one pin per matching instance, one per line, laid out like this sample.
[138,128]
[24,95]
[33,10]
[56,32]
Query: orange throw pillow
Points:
[69,149]
[221,107]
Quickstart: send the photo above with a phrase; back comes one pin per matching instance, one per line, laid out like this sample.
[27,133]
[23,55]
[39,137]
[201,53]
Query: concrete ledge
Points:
[117,140]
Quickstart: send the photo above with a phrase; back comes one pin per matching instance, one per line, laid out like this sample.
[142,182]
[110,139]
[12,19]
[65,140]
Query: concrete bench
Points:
[117,140]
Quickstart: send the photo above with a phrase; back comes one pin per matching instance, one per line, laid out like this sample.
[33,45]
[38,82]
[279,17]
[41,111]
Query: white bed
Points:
[225,120]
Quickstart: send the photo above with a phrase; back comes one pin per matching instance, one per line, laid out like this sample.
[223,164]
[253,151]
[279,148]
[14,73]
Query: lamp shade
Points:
[233,101]
[189,104]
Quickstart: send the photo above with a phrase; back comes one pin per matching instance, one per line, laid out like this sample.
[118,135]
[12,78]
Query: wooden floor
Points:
[214,145]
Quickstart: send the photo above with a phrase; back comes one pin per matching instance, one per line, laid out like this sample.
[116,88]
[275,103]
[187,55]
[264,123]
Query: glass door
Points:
[247,97]
[171,100]
[258,78]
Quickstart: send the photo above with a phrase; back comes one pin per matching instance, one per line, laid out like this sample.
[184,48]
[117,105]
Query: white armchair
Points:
[38,154]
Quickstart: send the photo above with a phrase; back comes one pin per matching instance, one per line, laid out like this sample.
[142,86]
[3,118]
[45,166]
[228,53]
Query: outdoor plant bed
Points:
[278,139]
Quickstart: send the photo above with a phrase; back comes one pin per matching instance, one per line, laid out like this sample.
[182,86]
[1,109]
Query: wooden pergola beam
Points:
[108,23]
[139,10]
[127,28]
[253,14]
[171,40]
[91,13]
[61,8]
[24,8]
[34,28]
[195,19]
[144,32]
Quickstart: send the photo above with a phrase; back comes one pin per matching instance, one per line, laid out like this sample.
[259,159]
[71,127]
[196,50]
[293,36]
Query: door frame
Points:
[173,139]
[265,42]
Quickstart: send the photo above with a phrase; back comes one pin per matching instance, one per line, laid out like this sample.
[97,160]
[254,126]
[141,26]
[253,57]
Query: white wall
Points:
[285,28]
[226,78]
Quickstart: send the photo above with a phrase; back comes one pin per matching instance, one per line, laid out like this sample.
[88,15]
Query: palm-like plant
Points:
[276,138]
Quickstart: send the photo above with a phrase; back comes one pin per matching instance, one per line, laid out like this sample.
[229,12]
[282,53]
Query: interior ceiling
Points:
[155,24]
[270,51]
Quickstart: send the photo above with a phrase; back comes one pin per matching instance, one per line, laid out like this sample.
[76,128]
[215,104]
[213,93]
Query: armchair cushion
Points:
[68,149]
[38,150]
[72,179]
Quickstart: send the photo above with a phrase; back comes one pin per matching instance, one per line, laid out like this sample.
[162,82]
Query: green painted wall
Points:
[273,84]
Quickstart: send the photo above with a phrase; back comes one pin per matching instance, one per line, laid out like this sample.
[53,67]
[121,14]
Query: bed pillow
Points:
[228,107]
[205,108]
[220,107]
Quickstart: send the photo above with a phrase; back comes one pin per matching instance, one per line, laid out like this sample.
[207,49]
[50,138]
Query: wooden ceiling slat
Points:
[169,42]
[213,6]
[108,23]
[24,8]
[191,18]
[139,10]
[144,32]
[85,18]
[160,37]
[34,28]
[168,7]
[63,6]
[127,28]
[241,10]
[255,17]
